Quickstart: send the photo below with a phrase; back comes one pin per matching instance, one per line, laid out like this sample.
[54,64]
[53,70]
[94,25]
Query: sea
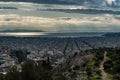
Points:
[49,34]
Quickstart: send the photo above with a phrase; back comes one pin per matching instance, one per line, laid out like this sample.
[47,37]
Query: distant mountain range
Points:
[22,30]
[112,34]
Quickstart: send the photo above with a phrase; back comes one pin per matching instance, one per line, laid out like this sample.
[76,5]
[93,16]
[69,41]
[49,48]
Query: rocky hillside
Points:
[95,64]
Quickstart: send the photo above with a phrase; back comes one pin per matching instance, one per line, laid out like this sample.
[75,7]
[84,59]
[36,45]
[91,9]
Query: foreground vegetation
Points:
[111,65]
[82,66]
[31,70]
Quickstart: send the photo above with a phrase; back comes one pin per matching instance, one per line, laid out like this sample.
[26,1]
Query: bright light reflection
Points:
[23,34]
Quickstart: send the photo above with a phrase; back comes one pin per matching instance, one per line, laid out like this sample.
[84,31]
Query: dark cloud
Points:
[62,1]
[85,11]
[83,1]
[40,1]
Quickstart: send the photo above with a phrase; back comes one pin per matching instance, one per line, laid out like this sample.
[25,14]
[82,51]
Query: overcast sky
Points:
[61,17]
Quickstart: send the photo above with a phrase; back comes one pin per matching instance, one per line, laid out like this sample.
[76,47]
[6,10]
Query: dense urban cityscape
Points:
[59,39]
[55,47]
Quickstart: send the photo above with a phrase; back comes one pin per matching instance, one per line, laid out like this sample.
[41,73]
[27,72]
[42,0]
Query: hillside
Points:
[94,64]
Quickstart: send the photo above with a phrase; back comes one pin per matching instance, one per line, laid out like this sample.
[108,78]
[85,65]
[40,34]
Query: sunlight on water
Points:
[47,34]
[22,34]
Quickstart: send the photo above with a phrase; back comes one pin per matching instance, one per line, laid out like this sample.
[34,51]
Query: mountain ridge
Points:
[22,30]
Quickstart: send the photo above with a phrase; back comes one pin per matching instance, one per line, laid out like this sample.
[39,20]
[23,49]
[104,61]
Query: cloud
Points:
[86,11]
[57,24]
[62,1]
[83,1]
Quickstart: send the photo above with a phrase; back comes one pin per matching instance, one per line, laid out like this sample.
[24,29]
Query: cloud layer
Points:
[61,24]
[58,18]
[62,1]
